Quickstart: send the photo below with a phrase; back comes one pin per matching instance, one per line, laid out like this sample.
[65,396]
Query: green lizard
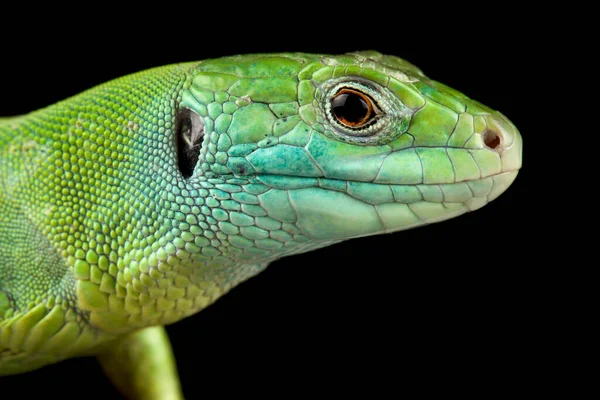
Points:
[141,201]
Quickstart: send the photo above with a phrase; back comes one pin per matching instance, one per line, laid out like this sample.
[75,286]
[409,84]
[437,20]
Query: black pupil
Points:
[350,107]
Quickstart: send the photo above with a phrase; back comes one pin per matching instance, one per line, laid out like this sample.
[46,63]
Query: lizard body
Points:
[141,201]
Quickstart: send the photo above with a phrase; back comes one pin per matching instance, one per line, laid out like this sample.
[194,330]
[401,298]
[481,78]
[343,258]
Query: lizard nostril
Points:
[491,139]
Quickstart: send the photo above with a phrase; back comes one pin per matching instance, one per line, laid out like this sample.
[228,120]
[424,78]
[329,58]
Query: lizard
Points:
[143,200]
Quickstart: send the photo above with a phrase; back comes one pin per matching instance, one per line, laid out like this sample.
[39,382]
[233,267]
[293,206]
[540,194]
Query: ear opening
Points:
[189,131]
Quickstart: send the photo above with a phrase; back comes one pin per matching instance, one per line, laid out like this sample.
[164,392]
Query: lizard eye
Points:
[189,130]
[352,108]
[360,111]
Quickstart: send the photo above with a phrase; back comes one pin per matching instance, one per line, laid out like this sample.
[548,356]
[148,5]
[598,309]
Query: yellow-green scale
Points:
[73,201]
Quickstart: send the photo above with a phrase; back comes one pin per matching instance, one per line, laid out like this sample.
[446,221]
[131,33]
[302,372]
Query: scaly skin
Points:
[101,233]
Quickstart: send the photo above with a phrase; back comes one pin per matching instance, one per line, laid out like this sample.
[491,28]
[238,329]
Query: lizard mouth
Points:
[468,192]
[339,209]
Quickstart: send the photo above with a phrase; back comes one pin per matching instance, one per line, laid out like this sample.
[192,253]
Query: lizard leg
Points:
[142,365]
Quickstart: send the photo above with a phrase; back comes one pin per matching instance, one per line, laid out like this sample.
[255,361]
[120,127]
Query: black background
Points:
[450,306]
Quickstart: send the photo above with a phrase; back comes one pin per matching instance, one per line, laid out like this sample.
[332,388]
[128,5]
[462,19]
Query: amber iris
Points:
[352,108]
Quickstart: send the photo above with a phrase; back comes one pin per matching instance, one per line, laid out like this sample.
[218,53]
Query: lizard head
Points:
[337,147]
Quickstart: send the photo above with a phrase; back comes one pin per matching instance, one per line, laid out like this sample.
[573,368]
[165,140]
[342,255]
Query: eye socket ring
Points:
[352,108]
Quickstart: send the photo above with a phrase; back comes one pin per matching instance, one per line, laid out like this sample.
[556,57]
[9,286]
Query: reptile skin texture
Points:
[104,230]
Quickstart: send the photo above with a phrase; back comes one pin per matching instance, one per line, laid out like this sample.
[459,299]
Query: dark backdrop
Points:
[443,306]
